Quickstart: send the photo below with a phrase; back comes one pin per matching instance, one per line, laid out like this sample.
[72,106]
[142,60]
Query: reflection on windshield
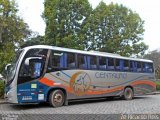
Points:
[24,70]
[12,69]
[35,68]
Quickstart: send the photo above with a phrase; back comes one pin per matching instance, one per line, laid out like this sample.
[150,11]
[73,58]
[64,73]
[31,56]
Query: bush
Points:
[1,88]
[158,85]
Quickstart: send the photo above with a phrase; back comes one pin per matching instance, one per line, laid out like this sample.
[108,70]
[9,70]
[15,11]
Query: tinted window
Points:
[24,71]
[148,67]
[117,61]
[110,64]
[102,63]
[133,66]
[71,62]
[82,62]
[139,67]
[93,62]
[57,59]
[35,67]
[126,65]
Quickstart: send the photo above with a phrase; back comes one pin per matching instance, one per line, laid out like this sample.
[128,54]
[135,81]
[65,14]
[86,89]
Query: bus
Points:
[56,75]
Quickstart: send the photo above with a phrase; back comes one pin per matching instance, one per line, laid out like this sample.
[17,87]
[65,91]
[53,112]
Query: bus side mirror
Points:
[34,65]
[7,67]
[28,60]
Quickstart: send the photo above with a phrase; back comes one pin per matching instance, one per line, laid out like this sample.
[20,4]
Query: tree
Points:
[116,29]
[64,19]
[109,28]
[38,40]
[13,31]
[155,57]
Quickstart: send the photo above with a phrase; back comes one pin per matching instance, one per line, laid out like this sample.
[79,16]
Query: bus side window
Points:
[82,61]
[133,66]
[56,61]
[102,63]
[110,64]
[139,67]
[92,62]
[126,65]
[148,67]
[71,61]
[144,67]
[117,64]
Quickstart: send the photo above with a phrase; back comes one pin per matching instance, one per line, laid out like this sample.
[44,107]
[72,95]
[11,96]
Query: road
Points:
[139,105]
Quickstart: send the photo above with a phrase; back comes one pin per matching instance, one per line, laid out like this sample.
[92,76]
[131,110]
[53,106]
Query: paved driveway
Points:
[140,105]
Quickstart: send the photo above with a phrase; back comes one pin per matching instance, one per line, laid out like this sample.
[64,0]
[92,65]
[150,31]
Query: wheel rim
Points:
[128,94]
[58,98]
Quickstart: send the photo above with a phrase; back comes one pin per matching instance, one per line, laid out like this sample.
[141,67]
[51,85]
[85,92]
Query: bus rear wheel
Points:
[56,98]
[128,93]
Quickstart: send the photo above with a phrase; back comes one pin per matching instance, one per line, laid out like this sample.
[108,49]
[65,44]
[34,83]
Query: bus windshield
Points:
[12,68]
[36,65]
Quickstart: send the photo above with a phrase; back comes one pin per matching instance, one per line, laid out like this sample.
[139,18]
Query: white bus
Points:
[57,75]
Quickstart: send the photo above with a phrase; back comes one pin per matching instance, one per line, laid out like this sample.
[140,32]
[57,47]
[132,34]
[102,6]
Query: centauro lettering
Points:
[111,75]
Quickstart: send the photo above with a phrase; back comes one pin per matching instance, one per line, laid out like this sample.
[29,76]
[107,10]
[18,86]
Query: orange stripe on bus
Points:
[67,88]
[50,83]
[144,82]
[105,91]
[47,82]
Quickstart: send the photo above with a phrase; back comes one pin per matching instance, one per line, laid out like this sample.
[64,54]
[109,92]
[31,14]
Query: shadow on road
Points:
[98,100]
[72,103]
[30,106]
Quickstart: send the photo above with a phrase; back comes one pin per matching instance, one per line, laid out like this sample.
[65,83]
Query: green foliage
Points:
[64,19]
[157,71]
[155,57]
[1,88]
[73,23]
[116,29]
[13,31]
[158,85]
[110,28]
[38,40]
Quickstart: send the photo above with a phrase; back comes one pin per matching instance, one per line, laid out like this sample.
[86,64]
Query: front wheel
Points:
[128,94]
[56,98]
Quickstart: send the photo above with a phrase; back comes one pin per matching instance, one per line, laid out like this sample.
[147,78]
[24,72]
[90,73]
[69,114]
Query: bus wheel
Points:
[128,94]
[56,98]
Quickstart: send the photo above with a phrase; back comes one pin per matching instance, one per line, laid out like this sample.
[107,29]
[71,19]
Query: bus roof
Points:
[95,53]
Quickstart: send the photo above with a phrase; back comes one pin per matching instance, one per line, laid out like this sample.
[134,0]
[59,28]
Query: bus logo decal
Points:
[80,83]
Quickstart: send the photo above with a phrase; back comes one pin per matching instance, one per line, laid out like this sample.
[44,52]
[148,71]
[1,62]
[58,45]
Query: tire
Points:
[56,98]
[128,94]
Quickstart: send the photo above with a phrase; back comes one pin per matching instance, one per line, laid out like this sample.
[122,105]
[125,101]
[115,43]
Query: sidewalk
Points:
[157,92]
[2,101]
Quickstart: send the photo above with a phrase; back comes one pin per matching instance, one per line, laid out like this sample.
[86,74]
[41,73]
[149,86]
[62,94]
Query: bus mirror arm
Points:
[7,66]
[27,61]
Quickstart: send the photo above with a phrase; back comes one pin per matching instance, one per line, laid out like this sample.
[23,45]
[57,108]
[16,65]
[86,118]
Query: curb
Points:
[2,101]
[155,93]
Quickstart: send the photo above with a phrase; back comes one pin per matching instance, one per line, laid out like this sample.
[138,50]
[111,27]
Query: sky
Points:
[31,11]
